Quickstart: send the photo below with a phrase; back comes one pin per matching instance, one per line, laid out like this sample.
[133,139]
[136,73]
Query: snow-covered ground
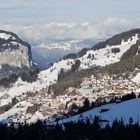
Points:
[16,112]
[4,36]
[123,110]
[50,75]
[105,56]
[45,78]
[136,78]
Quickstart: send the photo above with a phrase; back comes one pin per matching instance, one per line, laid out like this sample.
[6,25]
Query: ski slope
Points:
[123,110]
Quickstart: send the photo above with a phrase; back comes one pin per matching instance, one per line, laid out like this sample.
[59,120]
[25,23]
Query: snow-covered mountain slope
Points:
[52,51]
[101,57]
[124,110]
[105,56]
[45,78]
[14,51]
[137,78]
[26,92]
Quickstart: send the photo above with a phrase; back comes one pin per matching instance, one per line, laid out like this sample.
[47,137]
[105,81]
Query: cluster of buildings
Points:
[48,105]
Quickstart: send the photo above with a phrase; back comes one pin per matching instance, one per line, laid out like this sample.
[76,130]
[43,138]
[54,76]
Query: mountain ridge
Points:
[114,40]
[10,40]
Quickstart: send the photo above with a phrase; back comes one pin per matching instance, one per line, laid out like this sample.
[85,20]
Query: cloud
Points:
[36,34]
[11,4]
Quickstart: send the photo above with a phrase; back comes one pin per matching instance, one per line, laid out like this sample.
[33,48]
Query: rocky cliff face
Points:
[14,51]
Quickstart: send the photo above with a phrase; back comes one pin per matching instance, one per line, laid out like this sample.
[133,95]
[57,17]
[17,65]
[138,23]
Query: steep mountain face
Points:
[108,69]
[14,51]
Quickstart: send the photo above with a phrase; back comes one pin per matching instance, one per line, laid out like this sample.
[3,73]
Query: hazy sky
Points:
[44,11]
[37,20]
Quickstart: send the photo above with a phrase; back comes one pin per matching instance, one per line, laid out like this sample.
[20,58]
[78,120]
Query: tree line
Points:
[9,74]
[80,130]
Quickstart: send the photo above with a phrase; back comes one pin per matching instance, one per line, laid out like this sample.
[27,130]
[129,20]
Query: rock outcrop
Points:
[14,51]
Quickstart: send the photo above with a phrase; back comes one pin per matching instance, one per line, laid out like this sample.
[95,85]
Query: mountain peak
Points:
[13,50]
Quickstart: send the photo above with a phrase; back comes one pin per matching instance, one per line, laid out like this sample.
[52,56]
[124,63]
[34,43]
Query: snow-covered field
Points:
[104,56]
[4,36]
[123,110]
[136,78]
[16,113]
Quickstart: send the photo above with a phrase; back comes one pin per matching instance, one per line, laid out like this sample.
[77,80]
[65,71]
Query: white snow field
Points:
[123,110]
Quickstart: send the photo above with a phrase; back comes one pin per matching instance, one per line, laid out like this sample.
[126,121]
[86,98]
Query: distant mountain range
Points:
[50,52]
